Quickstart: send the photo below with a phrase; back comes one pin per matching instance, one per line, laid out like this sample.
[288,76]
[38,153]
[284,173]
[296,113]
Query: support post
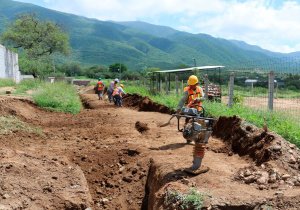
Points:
[230,90]
[206,86]
[176,84]
[271,91]
[166,82]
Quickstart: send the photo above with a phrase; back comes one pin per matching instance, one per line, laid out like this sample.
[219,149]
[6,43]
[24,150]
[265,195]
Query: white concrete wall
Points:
[9,66]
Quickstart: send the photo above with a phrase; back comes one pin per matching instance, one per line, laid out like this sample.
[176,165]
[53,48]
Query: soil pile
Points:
[141,127]
[142,103]
[30,181]
[261,146]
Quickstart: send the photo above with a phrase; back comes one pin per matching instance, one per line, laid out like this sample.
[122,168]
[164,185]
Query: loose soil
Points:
[98,159]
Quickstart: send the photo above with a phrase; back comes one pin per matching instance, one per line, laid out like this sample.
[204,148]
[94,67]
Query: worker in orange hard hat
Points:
[192,98]
[193,95]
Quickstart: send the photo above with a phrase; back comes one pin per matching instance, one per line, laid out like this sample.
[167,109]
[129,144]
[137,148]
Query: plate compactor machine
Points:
[198,129]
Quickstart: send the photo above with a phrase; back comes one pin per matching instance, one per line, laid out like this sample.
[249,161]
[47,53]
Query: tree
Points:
[37,39]
[116,67]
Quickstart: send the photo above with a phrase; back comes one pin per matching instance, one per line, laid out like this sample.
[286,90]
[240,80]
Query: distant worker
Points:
[100,88]
[192,98]
[118,94]
[111,88]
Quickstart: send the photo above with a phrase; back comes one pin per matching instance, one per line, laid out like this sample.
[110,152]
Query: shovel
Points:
[167,123]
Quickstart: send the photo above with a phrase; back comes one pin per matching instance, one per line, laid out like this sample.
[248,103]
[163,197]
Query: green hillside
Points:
[136,44]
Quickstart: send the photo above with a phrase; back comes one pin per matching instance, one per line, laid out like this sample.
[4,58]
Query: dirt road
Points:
[98,160]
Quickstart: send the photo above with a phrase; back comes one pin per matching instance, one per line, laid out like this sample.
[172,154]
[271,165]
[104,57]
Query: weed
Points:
[177,200]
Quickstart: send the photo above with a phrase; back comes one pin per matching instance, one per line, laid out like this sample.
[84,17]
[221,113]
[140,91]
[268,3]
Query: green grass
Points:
[58,97]
[261,92]
[7,83]
[287,127]
[27,84]
[9,124]
[177,200]
[277,122]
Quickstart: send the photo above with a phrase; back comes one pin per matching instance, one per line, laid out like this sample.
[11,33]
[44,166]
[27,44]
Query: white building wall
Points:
[9,66]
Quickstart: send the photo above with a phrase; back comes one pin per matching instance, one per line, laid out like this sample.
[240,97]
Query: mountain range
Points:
[140,45]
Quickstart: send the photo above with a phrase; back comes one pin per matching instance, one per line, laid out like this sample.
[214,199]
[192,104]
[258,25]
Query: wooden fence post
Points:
[176,84]
[206,86]
[166,82]
[230,90]
[271,91]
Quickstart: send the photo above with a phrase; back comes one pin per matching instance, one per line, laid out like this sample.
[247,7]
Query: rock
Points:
[290,182]
[286,176]
[121,169]
[276,148]
[292,146]
[134,171]
[99,191]
[122,161]
[104,201]
[7,92]
[185,181]
[262,187]
[249,179]
[127,179]
[279,193]
[247,173]
[274,186]
[263,179]
[5,196]
[292,159]
[272,178]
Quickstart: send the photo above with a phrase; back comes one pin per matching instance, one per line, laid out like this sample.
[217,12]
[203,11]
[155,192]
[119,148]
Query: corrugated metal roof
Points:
[190,69]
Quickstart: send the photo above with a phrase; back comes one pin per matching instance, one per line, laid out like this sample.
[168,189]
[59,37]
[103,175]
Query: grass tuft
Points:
[7,83]
[58,97]
[9,124]
[177,200]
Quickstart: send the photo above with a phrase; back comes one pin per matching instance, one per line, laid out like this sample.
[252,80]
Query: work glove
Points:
[197,100]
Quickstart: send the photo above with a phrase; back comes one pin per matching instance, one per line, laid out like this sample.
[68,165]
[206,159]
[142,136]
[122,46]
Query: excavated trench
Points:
[239,138]
[117,167]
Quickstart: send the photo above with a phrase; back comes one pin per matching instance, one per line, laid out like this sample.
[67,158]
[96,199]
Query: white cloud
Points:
[271,24]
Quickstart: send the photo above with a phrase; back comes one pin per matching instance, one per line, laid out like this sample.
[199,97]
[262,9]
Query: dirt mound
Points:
[142,103]
[261,146]
[52,182]
[19,107]
[141,127]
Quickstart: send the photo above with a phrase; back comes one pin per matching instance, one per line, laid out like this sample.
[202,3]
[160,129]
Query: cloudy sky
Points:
[271,24]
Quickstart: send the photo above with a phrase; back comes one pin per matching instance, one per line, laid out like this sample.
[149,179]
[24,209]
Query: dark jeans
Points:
[118,100]
[109,94]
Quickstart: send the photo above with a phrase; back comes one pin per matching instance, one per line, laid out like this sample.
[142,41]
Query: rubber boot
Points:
[196,168]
